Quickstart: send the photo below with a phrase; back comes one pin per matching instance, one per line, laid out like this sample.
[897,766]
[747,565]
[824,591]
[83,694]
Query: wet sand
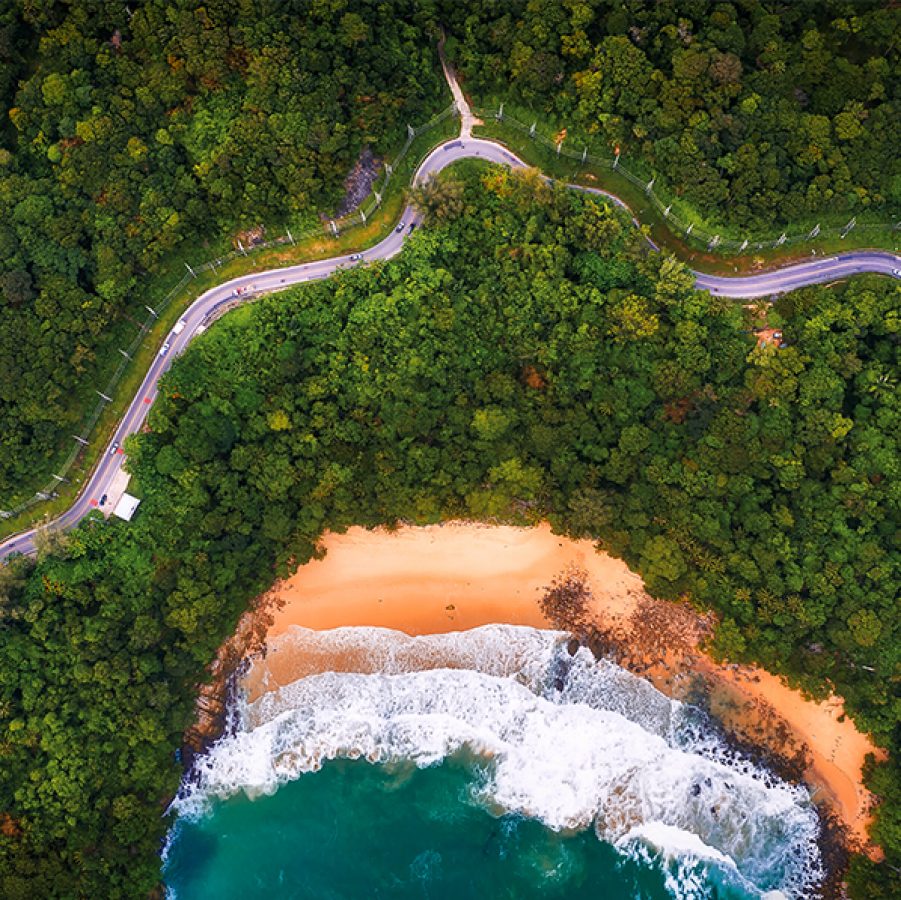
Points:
[456,576]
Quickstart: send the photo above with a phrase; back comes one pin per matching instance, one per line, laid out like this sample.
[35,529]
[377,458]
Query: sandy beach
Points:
[442,578]
[456,576]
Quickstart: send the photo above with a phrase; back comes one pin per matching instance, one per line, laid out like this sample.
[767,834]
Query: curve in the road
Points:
[206,307]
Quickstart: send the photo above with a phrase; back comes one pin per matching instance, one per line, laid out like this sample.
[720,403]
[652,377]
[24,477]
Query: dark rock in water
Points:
[559,670]
[695,790]
[572,646]
[599,646]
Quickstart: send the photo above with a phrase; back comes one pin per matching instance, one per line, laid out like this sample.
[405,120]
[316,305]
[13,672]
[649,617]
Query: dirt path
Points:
[467,120]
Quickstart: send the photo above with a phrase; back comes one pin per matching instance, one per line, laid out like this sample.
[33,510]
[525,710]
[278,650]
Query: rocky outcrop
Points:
[358,184]
[212,703]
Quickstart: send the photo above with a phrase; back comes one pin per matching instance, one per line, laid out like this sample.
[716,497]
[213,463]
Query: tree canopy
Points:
[526,357]
[755,113]
[135,131]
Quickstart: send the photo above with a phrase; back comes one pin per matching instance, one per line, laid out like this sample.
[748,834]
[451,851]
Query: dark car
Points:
[412,226]
[103,500]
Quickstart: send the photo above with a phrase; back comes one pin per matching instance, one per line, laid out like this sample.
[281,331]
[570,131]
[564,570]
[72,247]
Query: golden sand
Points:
[456,576]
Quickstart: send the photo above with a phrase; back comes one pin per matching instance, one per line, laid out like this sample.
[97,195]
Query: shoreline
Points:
[459,575]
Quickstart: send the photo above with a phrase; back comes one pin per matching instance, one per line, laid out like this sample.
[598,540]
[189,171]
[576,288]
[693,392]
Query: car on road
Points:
[165,348]
[114,448]
[412,226]
[103,500]
[896,273]
[356,257]
[400,227]
[179,326]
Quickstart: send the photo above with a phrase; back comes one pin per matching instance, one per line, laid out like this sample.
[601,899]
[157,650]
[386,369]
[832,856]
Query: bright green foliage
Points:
[129,136]
[757,114]
[496,369]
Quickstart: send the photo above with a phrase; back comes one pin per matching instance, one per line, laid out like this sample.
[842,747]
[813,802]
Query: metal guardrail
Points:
[333,227]
[691,232]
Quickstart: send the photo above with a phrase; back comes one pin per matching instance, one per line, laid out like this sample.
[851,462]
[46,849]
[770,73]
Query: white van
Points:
[180,326]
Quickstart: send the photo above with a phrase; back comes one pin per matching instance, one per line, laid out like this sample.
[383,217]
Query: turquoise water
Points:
[488,763]
[358,830]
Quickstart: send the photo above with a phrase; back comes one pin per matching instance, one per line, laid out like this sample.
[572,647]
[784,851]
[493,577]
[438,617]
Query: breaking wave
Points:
[548,732]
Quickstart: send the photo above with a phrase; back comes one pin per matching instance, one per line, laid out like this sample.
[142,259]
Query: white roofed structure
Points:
[126,507]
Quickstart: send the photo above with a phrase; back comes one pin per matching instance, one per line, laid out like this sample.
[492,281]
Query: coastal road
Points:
[213,303]
[815,271]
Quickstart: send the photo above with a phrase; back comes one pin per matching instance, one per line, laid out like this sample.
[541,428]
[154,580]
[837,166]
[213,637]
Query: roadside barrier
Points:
[690,232]
[332,227]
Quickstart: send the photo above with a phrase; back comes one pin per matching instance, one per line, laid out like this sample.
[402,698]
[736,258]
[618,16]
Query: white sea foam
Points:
[561,738]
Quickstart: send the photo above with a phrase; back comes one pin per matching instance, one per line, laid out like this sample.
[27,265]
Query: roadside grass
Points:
[721,262]
[355,238]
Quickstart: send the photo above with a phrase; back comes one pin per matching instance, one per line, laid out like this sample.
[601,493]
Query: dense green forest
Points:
[525,357]
[132,132]
[757,113]
[129,131]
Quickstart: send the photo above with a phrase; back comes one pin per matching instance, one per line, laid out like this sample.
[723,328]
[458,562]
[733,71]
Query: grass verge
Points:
[355,238]
[360,236]
[721,262]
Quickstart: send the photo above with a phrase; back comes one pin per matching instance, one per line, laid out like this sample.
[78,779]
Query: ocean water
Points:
[487,763]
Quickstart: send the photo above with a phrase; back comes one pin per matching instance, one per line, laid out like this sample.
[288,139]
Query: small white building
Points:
[126,507]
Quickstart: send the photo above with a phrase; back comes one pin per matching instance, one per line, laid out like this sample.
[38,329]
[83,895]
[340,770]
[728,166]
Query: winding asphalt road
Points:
[211,304]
